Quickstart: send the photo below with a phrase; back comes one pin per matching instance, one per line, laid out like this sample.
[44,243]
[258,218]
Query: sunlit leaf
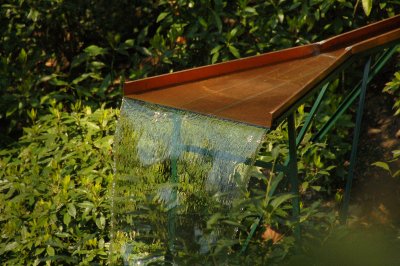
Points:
[162,16]
[94,50]
[367,6]
[50,251]
[234,51]
[275,203]
[71,209]
[382,165]
[22,57]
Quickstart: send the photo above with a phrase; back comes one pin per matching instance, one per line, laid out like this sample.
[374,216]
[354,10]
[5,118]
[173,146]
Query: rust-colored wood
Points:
[350,38]
[257,90]
[217,69]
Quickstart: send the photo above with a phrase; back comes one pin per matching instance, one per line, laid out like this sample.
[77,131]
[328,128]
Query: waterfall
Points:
[174,170]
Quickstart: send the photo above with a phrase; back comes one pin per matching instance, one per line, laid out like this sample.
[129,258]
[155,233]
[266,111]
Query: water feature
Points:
[175,173]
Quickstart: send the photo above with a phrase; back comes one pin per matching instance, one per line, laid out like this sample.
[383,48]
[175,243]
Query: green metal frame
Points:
[356,138]
[352,96]
[290,165]
[359,91]
[292,173]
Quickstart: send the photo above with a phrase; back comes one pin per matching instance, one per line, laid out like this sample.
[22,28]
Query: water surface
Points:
[174,171]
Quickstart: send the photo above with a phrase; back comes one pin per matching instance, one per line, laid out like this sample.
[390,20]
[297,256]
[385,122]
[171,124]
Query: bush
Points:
[53,203]
[85,49]
[54,179]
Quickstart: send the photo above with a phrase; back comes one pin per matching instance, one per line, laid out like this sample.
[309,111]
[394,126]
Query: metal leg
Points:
[253,228]
[291,165]
[292,173]
[356,137]
[311,115]
[352,96]
[174,181]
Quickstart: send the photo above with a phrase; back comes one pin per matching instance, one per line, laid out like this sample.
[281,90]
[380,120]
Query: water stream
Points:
[174,171]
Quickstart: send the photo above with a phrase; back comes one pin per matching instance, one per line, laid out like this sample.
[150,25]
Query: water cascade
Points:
[174,171]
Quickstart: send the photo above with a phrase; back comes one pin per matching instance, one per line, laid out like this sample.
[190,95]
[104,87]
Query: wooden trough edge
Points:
[357,41]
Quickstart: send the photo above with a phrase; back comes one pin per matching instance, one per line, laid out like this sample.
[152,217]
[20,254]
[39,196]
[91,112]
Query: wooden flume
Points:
[257,90]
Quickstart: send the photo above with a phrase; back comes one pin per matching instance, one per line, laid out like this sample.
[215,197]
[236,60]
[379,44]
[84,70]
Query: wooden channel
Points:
[257,90]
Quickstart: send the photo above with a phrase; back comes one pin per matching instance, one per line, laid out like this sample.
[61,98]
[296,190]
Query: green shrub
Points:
[83,50]
[54,180]
[53,203]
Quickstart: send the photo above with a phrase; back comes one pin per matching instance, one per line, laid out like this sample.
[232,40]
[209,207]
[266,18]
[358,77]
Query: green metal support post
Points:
[292,173]
[299,139]
[356,137]
[311,115]
[291,166]
[174,181]
[352,96]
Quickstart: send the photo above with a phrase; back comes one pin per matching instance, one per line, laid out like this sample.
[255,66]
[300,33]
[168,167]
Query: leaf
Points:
[79,59]
[316,188]
[71,209]
[162,16]
[62,234]
[214,219]
[232,223]
[304,185]
[281,16]
[58,82]
[275,152]
[216,49]
[39,251]
[251,10]
[397,173]
[274,184]
[234,51]
[101,222]
[382,165]
[129,42]
[396,153]
[233,32]
[50,251]
[203,22]
[104,143]
[81,78]
[214,58]
[22,56]
[66,218]
[97,65]
[217,20]
[275,203]
[367,6]
[86,204]
[11,246]
[94,50]
[145,51]
[11,110]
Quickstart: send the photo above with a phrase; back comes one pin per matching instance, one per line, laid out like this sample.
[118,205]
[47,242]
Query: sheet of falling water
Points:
[174,171]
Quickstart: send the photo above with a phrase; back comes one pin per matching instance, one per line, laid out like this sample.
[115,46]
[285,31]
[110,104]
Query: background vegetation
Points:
[62,65]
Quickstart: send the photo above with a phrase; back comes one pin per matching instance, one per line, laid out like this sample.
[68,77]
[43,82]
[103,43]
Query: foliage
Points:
[64,50]
[53,203]
[56,54]
[85,49]
[393,88]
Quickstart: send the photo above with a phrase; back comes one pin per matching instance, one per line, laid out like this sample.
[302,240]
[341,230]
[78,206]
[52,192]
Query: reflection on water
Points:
[173,171]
